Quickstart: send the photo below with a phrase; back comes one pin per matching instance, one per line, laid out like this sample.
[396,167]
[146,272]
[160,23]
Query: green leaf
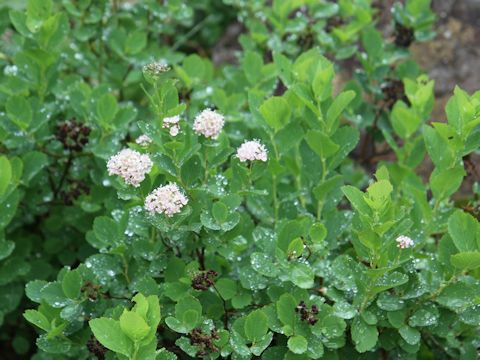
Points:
[8,208]
[136,41]
[337,107]
[326,187]
[263,264]
[297,344]
[33,290]
[396,318]
[379,194]
[404,120]
[176,325]
[133,325]
[276,112]
[289,231]
[33,163]
[390,280]
[347,137]
[18,20]
[295,248]
[37,12]
[458,296]
[195,67]
[53,31]
[164,354]
[315,347]
[220,212]
[190,318]
[252,66]
[330,325]
[446,182]
[302,276]
[110,335]
[438,148]
[6,248]
[323,146]
[5,174]
[54,345]
[256,325]
[318,233]
[106,230]
[187,303]
[463,229]
[409,334]
[37,319]
[71,284]
[226,287]
[19,111]
[286,305]
[363,335]
[53,294]
[309,63]
[428,315]
[389,302]
[322,80]
[466,260]
[106,109]
[373,42]
[357,199]
[192,170]
[258,347]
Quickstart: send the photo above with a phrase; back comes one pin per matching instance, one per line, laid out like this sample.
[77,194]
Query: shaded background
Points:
[453,57]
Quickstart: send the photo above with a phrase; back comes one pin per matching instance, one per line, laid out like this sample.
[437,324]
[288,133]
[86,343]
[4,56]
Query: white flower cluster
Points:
[209,123]
[130,165]
[404,242]
[143,140]
[172,124]
[167,199]
[155,69]
[252,150]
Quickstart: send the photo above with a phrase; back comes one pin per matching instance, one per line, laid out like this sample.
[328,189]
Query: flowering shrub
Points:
[258,209]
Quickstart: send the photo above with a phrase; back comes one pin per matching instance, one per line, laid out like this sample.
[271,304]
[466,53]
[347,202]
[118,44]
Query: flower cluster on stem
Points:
[130,165]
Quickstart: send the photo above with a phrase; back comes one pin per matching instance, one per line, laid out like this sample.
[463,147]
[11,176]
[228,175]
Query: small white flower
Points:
[209,123]
[404,242]
[10,70]
[252,150]
[174,130]
[167,199]
[143,140]
[130,165]
[172,124]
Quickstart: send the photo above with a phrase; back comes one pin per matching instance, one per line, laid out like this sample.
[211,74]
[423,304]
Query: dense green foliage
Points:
[304,256]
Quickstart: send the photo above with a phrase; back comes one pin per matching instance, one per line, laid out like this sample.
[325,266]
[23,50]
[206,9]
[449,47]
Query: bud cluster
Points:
[204,341]
[73,135]
[404,36]
[75,189]
[204,280]
[155,69]
[91,290]
[394,90]
[308,315]
[97,349]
